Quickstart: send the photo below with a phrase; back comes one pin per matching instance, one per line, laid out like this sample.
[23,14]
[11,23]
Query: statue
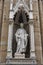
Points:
[21,39]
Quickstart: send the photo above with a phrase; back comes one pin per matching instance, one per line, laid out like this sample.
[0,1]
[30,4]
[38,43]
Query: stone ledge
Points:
[21,61]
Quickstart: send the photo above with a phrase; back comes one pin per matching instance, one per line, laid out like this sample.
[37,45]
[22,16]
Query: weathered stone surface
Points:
[38,30]
[4,35]
[19,56]
[21,61]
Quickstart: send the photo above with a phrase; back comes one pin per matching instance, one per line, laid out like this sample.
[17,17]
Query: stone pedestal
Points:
[19,56]
[24,61]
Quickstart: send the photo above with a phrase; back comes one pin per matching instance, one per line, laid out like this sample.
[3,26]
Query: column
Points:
[30,4]
[10,35]
[31,12]
[11,5]
[32,45]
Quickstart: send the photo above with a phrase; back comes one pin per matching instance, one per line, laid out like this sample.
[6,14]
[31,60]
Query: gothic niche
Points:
[21,16]
[20,28]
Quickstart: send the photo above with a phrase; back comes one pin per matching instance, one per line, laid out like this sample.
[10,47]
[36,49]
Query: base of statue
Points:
[19,56]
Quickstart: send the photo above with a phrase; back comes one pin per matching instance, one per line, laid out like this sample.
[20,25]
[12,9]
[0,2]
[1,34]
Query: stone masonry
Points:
[38,28]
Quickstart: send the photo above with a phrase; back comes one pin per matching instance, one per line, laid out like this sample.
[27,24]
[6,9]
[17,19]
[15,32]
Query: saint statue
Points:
[21,39]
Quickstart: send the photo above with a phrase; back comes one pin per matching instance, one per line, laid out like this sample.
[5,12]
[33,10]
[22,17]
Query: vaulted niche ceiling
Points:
[21,16]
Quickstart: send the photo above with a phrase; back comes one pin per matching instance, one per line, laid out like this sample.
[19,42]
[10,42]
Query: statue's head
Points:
[21,25]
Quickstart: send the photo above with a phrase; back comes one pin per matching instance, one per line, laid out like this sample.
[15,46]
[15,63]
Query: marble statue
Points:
[21,39]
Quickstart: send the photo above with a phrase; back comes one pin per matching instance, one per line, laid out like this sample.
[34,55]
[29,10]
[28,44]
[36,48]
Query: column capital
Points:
[31,21]
[11,21]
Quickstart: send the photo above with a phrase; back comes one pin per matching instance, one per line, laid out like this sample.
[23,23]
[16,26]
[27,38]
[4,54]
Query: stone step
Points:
[21,61]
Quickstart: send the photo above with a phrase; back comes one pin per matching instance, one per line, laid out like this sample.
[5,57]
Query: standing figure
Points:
[21,39]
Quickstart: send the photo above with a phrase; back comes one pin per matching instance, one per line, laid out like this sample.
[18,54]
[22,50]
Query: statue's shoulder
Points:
[24,30]
[18,29]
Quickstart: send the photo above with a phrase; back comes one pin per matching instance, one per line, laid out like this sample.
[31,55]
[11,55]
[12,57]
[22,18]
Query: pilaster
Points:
[1,18]
[41,22]
[10,36]
[4,33]
[37,34]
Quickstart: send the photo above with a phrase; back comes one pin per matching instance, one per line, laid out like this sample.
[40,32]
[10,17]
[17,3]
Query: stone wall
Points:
[38,48]
[1,18]
[4,33]
[41,23]
[38,29]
